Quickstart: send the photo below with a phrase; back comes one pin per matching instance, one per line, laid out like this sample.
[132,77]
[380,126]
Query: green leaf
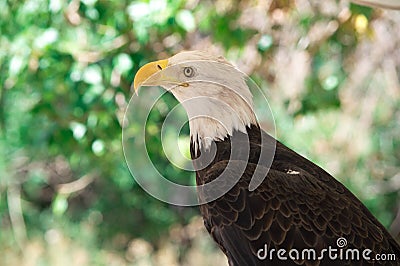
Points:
[265,43]
[123,63]
[185,19]
[60,205]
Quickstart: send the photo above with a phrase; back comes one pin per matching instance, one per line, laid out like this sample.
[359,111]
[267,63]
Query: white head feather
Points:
[214,94]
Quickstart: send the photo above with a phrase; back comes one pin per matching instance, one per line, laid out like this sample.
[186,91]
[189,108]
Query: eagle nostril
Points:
[159,67]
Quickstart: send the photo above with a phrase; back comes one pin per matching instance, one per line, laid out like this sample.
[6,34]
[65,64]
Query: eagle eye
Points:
[188,72]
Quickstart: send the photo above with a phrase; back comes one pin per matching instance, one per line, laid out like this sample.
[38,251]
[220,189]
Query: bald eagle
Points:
[297,213]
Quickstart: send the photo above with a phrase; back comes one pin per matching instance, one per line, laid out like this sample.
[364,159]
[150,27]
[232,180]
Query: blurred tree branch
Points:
[76,185]
[389,4]
[2,107]
[15,212]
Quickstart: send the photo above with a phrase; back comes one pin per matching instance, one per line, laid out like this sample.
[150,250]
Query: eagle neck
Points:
[204,130]
[242,145]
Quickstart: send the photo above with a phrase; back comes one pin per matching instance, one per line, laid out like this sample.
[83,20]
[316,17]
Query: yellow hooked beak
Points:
[146,71]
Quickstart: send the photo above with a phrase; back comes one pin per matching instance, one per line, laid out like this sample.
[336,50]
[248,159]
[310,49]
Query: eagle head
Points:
[213,92]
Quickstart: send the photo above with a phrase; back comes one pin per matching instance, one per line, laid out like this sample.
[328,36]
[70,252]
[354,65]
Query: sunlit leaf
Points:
[265,43]
[185,19]
[98,147]
[60,205]
[123,63]
[92,74]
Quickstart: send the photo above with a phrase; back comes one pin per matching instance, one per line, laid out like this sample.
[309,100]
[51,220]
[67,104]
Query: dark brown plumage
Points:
[298,205]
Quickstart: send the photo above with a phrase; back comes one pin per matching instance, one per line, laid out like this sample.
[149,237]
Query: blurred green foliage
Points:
[65,73]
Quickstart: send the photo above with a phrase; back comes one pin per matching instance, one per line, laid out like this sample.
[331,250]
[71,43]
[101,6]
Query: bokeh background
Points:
[330,70]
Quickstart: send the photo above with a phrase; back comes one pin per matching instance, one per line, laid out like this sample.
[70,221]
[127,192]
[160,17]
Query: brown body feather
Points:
[298,205]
